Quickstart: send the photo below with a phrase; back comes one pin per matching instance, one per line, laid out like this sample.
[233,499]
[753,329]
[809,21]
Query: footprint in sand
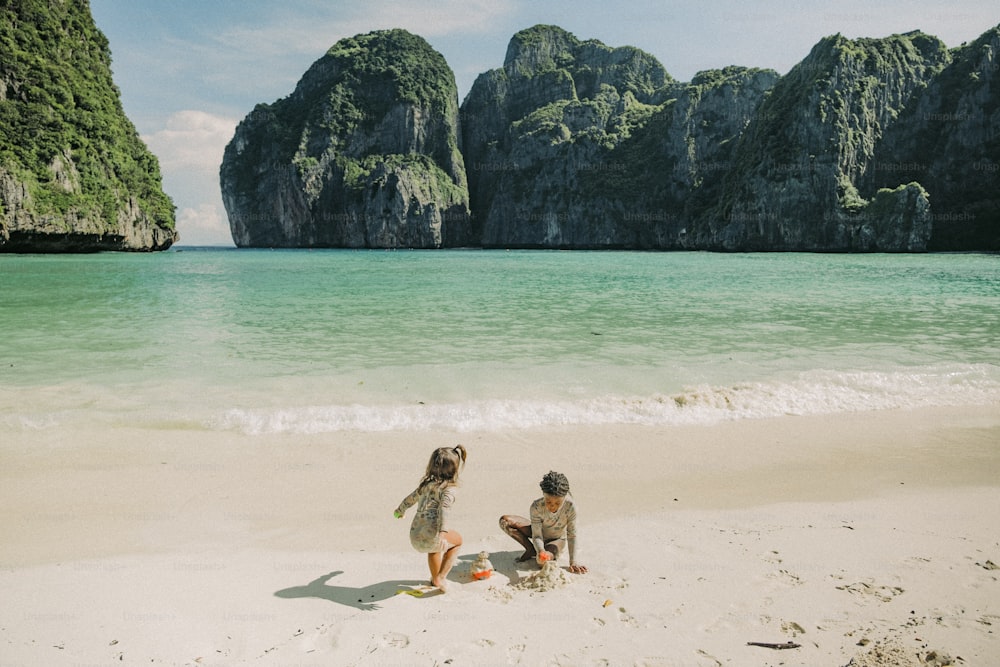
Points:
[786,577]
[773,557]
[515,653]
[882,593]
[793,628]
[395,640]
[315,639]
[713,661]
[627,618]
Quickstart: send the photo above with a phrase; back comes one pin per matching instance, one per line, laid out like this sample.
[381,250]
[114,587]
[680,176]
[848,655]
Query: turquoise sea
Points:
[263,342]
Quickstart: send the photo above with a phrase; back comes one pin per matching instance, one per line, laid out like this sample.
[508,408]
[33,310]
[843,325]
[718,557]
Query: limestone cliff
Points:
[670,170]
[948,139]
[74,174]
[577,145]
[794,182]
[538,131]
[364,153]
[867,145]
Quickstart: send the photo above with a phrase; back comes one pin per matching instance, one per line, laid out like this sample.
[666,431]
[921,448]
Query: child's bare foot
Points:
[438,582]
[529,554]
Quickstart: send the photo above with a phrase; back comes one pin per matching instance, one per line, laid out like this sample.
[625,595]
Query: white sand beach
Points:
[864,539]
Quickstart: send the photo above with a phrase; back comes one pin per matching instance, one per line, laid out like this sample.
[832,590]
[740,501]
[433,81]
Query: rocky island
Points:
[867,145]
[74,174]
[363,154]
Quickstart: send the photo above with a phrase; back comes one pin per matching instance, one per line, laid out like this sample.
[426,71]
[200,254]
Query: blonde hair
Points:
[444,465]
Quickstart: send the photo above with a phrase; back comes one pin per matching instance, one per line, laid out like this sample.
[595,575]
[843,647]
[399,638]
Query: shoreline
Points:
[189,486]
[822,530]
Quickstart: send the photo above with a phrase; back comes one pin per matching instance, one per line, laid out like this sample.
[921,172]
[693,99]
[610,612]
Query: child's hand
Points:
[397,514]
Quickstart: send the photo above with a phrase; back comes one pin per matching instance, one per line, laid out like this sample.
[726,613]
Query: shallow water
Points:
[324,341]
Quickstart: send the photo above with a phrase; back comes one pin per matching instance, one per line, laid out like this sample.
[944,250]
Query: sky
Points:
[190,70]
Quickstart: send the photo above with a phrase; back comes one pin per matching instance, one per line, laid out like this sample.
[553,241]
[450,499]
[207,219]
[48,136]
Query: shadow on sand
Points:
[365,598]
[504,562]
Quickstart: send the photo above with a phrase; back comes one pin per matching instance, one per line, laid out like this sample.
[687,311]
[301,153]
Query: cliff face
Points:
[869,145]
[948,139]
[795,177]
[670,170]
[573,144]
[538,131]
[364,153]
[74,175]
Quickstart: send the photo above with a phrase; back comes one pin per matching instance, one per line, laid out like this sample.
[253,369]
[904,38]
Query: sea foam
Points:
[811,393]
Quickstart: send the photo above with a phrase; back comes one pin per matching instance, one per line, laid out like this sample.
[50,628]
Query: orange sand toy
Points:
[481,568]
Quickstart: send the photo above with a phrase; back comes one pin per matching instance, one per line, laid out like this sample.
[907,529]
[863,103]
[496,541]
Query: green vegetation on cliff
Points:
[574,144]
[352,88]
[812,143]
[545,126]
[63,133]
[589,64]
[413,71]
[948,139]
[364,147]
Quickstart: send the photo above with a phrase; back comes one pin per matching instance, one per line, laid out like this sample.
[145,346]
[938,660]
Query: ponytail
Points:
[444,466]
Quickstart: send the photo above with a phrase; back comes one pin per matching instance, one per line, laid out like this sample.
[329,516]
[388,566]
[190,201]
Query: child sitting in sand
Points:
[429,532]
[552,526]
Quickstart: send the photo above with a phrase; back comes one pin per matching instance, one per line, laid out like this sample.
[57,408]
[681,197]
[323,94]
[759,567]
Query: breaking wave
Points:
[814,393]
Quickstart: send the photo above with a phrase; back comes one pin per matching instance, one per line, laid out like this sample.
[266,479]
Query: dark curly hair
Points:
[555,484]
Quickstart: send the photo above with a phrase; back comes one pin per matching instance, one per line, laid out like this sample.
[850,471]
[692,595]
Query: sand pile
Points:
[549,578]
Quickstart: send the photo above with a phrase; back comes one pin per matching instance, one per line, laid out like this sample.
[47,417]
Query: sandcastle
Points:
[548,578]
[481,568]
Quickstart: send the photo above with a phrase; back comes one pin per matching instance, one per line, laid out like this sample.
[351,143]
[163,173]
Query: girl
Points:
[429,532]
[552,526]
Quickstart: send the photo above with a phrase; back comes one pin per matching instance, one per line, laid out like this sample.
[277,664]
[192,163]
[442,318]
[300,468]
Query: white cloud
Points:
[204,225]
[190,147]
[192,140]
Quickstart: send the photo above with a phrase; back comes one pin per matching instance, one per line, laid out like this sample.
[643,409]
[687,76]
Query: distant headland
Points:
[884,145]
